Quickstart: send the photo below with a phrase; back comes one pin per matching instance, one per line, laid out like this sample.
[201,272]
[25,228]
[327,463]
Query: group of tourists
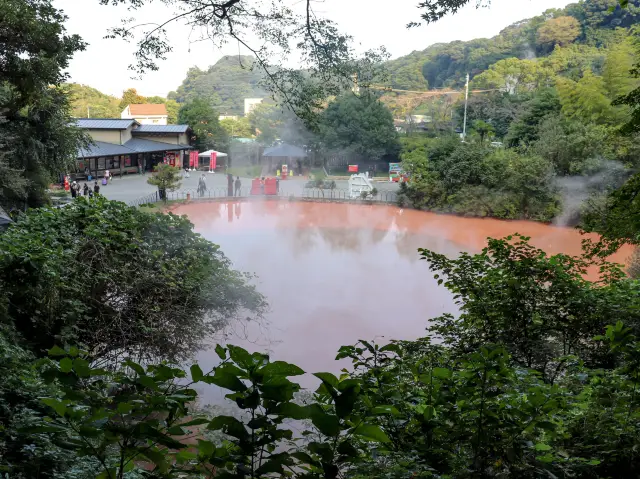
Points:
[86,190]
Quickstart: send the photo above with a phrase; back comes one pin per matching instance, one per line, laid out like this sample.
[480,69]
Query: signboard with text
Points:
[353,168]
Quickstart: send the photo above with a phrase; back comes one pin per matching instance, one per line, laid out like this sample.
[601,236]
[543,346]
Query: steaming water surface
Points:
[336,273]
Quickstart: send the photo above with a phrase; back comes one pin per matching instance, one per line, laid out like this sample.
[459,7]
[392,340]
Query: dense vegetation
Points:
[223,85]
[528,382]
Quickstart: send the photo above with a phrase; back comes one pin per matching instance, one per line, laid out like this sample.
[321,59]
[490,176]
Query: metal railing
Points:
[244,192]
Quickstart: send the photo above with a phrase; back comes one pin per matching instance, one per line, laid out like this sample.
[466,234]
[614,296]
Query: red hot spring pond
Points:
[335,273]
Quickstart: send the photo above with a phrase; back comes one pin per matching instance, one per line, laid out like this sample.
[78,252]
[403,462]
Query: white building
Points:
[250,104]
[146,114]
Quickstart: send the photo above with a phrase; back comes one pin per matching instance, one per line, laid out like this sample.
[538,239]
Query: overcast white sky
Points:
[371,22]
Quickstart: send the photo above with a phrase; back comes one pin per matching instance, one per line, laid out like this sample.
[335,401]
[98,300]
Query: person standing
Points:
[106,176]
[110,177]
[74,191]
[85,190]
[238,186]
[96,188]
[229,184]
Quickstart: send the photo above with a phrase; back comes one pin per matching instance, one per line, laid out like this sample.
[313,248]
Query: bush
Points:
[114,279]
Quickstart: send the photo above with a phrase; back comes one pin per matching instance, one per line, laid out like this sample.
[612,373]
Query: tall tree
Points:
[37,140]
[204,123]
[360,125]
[130,97]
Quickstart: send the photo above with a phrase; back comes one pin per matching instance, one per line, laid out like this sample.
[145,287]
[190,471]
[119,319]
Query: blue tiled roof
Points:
[285,150]
[140,145]
[160,129]
[135,145]
[101,148]
[104,123]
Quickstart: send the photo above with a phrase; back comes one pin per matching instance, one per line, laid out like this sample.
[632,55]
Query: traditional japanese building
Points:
[124,146]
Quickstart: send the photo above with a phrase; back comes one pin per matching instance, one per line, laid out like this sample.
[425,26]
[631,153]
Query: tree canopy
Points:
[203,120]
[116,280]
[360,125]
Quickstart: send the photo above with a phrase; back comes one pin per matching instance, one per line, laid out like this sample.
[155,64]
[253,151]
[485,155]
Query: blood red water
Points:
[335,273]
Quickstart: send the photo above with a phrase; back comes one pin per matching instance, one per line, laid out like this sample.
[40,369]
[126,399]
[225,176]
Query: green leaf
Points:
[195,422]
[327,424]
[429,412]
[381,410]
[196,373]
[442,373]
[57,405]
[371,432]
[124,407]
[240,356]
[225,379]
[136,367]
[82,367]
[221,352]
[228,425]
[57,351]
[542,447]
[327,378]
[281,368]
[293,411]
[346,401]
[205,448]
[66,365]
[347,449]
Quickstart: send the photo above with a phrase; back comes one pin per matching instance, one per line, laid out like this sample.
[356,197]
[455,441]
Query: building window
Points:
[101,163]
[156,121]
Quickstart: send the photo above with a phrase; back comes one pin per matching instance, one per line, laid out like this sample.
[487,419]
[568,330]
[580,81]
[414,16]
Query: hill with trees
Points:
[224,85]
[591,23]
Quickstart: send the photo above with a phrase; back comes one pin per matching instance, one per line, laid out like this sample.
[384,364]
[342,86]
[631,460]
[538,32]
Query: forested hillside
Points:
[225,85]
[592,24]
[87,101]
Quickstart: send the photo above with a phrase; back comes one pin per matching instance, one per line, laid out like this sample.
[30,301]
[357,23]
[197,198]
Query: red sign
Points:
[212,162]
[193,158]
[353,168]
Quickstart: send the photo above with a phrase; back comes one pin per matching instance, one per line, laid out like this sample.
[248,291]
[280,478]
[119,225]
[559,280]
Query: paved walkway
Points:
[132,187]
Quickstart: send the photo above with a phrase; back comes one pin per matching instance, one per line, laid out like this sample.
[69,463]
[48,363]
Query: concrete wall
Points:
[108,136]
[125,135]
[172,138]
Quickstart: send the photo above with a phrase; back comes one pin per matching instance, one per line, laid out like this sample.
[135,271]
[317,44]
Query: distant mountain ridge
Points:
[446,64]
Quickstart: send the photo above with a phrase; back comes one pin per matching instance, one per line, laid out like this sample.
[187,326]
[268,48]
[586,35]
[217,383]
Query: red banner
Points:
[212,162]
[353,168]
[193,159]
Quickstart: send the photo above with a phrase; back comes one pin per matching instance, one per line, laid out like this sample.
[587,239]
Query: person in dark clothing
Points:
[238,186]
[74,191]
[85,190]
[229,185]
[96,188]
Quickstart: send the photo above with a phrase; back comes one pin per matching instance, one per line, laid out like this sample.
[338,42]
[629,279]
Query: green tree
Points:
[130,97]
[360,125]
[238,128]
[524,130]
[514,76]
[483,129]
[89,101]
[204,123]
[117,281]
[37,140]
[558,31]
[166,178]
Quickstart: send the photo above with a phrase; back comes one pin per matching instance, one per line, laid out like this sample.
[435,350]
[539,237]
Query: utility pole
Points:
[466,100]
[88,113]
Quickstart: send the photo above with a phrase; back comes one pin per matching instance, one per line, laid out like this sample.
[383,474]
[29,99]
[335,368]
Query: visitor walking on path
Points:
[96,188]
[238,186]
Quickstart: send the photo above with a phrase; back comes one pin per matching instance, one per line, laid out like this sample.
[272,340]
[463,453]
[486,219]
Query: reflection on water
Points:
[336,273]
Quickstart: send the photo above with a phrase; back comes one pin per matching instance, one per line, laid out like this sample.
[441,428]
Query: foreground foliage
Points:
[530,382]
[115,280]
